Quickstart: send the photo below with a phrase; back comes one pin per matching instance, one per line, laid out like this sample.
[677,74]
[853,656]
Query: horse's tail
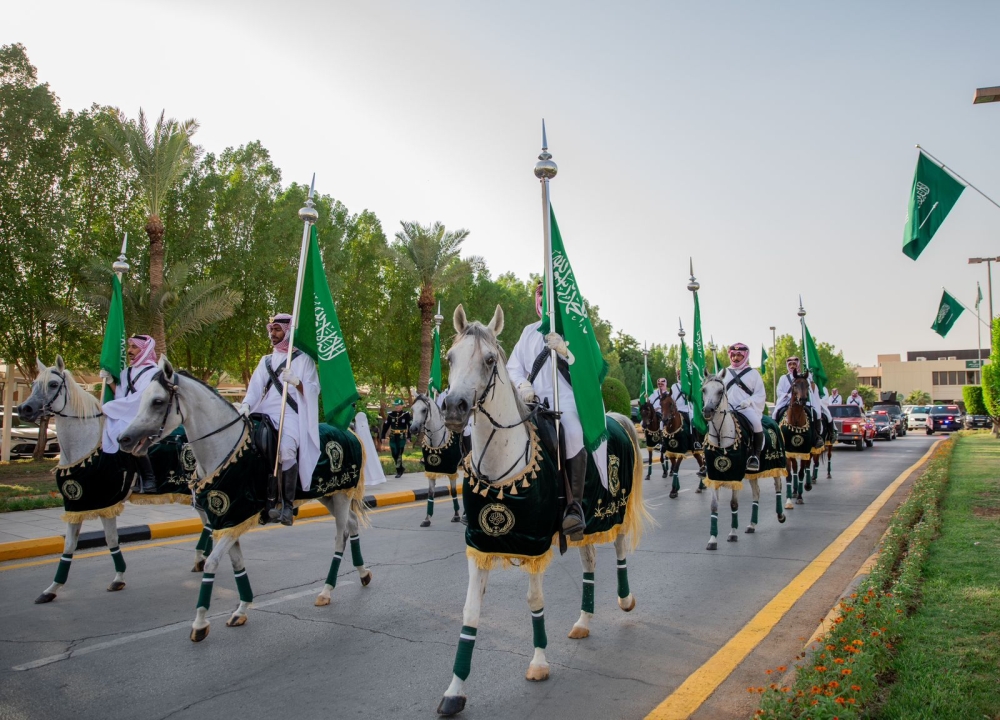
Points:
[637,515]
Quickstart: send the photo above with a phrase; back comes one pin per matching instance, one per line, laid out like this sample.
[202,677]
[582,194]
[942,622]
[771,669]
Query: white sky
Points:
[771,141]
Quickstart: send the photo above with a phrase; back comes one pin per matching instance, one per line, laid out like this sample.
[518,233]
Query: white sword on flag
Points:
[545,170]
[308,215]
[120,266]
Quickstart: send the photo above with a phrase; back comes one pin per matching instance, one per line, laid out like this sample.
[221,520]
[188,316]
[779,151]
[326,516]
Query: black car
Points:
[944,418]
[894,411]
[978,421]
[885,425]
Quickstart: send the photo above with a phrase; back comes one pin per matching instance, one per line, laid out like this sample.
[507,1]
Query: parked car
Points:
[916,419]
[885,425]
[972,422]
[852,426]
[896,413]
[24,438]
[944,418]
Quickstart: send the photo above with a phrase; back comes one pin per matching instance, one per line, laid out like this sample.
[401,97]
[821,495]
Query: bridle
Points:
[724,413]
[47,409]
[174,403]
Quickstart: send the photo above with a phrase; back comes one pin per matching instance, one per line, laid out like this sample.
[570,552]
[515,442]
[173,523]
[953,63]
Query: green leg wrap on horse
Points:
[588,593]
[331,577]
[788,487]
[205,594]
[736,519]
[538,628]
[815,472]
[753,512]
[119,560]
[243,585]
[777,502]
[463,656]
[356,551]
[676,484]
[715,525]
[62,571]
[430,507]
[623,590]
[454,499]
[828,463]
[205,540]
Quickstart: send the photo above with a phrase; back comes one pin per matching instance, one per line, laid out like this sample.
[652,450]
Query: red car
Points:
[852,426]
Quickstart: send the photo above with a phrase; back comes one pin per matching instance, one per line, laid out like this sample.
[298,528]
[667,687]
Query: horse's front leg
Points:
[538,668]
[755,489]
[675,482]
[713,542]
[111,538]
[340,512]
[204,545]
[430,503]
[800,480]
[700,459]
[811,468]
[734,507]
[789,480]
[200,626]
[364,574]
[453,489]
[649,466]
[239,616]
[829,461]
[777,499]
[663,458]
[62,569]
[588,558]
[453,701]
[626,601]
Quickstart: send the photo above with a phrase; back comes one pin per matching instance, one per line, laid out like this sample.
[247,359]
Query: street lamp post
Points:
[989,285]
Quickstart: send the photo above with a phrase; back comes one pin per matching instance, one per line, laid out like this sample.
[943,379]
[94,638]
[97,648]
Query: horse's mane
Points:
[189,376]
[477,331]
[81,402]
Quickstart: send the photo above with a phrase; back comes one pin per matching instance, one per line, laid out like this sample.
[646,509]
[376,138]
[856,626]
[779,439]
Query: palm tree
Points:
[432,255]
[159,156]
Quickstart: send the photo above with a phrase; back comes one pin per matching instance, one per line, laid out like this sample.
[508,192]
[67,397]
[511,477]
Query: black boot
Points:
[817,426]
[147,480]
[283,513]
[573,523]
[753,462]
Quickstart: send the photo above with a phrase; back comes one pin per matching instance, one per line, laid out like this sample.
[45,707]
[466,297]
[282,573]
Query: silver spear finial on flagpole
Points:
[121,266]
[439,318]
[680,331]
[802,327]
[693,284]
[545,170]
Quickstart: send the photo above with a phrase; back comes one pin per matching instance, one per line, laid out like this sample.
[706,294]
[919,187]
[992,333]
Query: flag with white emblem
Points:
[933,195]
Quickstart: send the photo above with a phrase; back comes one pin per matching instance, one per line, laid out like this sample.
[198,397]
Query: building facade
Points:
[942,373]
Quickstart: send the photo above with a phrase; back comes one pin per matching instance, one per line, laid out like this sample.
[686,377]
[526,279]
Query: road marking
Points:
[694,691]
[158,631]
[192,538]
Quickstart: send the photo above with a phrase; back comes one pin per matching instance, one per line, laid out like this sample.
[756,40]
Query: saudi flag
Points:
[979,295]
[813,363]
[646,391]
[573,322]
[113,351]
[763,360]
[933,195]
[318,335]
[697,370]
[434,384]
[691,387]
[947,314]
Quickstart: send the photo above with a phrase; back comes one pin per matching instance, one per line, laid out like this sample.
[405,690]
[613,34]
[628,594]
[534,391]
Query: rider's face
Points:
[276,333]
[133,353]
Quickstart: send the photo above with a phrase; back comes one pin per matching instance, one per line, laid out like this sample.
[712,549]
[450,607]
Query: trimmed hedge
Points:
[616,397]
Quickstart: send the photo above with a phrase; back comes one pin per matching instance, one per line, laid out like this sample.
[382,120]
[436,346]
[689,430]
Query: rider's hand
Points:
[527,392]
[105,375]
[244,409]
[743,405]
[287,376]
[555,341]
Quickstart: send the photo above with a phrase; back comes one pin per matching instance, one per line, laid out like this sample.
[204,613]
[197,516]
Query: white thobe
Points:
[522,358]
[300,435]
[680,400]
[754,410]
[120,412]
[784,392]
[856,400]
[834,399]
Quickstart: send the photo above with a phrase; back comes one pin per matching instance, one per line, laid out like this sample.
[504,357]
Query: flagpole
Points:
[120,266]
[802,326]
[693,286]
[953,297]
[308,215]
[438,319]
[945,167]
[715,359]
[645,369]
[545,170]
[979,329]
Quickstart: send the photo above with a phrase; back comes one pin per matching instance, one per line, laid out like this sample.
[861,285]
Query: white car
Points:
[24,438]
[916,419]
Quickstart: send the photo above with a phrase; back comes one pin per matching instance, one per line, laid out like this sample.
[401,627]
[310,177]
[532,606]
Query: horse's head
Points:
[421,410]
[476,364]
[713,396]
[159,412]
[648,414]
[48,389]
[800,389]
[668,409]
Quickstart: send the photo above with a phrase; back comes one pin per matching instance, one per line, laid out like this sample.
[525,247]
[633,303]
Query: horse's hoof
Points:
[579,633]
[322,601]
[199,566]
[800,501]
[116,586]
[451,705]
[664,473]
[788,505]
[45,597]
[698,490]
[712,545]
[537,673]
[367,579]
[425,523]
[809,487]
[829,476]
[733,538]
[673,494]
[236,621]
[751,530]
[631,603]
[456,518]
[781,518]
[199,634]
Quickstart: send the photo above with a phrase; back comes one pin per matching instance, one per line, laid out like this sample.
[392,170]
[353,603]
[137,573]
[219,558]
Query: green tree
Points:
[432,255]
[160,155]
[917,397]
[991,381]
[973,397]
[868,394]
[616,397]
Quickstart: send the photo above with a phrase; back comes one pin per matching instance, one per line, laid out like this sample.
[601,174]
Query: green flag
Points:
[318,335]
[763,360]
[691,387]
[434,384]
[113,351]
[947,314]
[933,195]
[813,363]
[979,295]
[698,342]
[572,322]
[647,386]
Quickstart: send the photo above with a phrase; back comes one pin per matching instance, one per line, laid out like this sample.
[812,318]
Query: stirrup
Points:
[574,513]
[753,463]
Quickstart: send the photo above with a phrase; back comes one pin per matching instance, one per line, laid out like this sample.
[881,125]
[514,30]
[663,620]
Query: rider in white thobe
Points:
[654,399]
[745,392]
[120,412]
[834,398]
[300,434]
[856,399]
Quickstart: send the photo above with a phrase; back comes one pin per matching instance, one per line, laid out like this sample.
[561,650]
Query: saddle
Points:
[264,438]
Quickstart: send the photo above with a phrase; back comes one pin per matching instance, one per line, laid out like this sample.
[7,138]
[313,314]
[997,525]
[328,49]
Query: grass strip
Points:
[844,677]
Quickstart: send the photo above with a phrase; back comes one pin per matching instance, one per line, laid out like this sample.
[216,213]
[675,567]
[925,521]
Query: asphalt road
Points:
[386,651]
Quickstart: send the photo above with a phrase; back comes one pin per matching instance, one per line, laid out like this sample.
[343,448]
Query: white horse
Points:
[55,393]
[501,450]
[214,424]
[723,434]
[437,442]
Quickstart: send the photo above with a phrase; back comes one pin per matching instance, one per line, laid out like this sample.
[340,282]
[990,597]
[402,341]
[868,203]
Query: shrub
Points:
[616,397]
[973,396]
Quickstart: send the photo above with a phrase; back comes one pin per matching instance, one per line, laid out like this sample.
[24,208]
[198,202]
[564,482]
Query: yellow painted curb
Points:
[694,691]
[173,528]
[30,548]
[402,496]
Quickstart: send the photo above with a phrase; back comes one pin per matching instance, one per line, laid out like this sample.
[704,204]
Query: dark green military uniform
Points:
[397,426]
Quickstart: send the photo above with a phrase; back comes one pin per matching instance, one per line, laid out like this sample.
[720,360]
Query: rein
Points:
[490,390]
[174,401]
[727,411]
[47,410]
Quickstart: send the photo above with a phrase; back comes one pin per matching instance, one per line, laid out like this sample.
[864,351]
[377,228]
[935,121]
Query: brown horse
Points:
[654,436]
[796,425]
[678,442]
